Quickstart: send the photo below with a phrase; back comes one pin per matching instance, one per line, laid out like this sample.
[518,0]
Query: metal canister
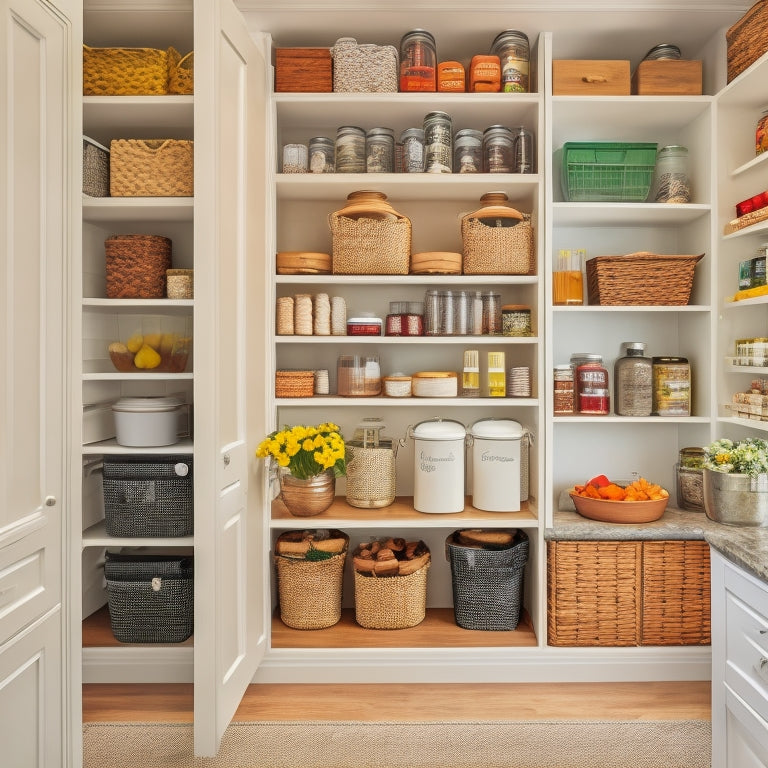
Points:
[380,150]
[495,449]
[350,149]
[690,479]
[663,51]
[438,143]
[671,386]
[498,149]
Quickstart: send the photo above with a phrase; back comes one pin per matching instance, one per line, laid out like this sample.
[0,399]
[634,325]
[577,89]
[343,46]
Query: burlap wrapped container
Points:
[370,237]
[151,168]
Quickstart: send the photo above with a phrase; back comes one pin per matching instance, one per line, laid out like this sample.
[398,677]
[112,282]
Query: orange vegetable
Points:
[638,490]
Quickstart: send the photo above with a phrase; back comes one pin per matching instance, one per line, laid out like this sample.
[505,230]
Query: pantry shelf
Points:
[400,402]
[627,214]
[96,536]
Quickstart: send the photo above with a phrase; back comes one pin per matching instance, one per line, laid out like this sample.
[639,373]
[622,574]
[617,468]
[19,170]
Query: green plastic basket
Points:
[607,171]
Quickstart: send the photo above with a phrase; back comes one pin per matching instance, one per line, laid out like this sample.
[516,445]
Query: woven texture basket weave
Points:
[391,602]
[95,169]
[136,266]
[148,495]
[640,279]
[291,383]
[181,72]
[747,39]
[151,168]
[151,597]
[488,583]
[310,591]
[124,71]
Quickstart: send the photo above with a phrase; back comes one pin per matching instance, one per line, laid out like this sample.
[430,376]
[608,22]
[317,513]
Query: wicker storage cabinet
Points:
[150,597]
[627,593]
[148,495]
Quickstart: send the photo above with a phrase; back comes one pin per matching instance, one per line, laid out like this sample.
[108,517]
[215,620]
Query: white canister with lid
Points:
[438,482]
[143,422]
[495,447]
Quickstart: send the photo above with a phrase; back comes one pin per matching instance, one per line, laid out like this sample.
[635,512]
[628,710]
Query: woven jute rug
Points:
[486,744]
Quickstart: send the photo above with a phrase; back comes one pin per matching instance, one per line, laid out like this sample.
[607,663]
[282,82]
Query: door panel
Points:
[229,250]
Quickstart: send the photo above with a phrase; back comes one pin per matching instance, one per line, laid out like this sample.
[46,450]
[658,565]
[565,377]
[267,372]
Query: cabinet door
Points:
[35,213]
[230,77]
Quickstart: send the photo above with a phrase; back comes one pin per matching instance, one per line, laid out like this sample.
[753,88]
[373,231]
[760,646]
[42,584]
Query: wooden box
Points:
[306,70]
[667,77]
[585,77]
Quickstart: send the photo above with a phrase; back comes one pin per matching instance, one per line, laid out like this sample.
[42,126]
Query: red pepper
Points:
[600,481]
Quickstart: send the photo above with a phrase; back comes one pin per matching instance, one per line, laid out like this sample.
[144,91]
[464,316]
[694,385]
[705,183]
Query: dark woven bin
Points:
[136,266]
[488,583]
[148,495]
[151,597]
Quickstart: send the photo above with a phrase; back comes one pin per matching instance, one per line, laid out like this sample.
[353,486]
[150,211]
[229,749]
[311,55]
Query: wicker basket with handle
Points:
[181,72]
[747,39]
[151,168]
[124,71]
[136,266]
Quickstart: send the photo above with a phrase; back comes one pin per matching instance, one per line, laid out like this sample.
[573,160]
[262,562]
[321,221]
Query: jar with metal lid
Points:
[350,149]
[498,149]
[564,396]
[761,133]
[412,140]
[672,184]
[418,61]
[295,158]
[671,386]
[633,381]
[380,150]
[516,320]
[514,52]
[523,153]
[592,385]
[321,155]
[438,143]
[468,151]
[370,466]
[690,479]
[663,51]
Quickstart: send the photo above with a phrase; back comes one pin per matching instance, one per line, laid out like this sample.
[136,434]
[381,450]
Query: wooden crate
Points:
[307,70]
[667,77]
[587,77]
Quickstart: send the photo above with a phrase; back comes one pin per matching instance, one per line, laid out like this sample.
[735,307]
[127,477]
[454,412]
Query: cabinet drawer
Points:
[746,734]
[587,77]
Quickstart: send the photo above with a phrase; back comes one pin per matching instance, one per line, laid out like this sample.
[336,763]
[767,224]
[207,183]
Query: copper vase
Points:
[308,497]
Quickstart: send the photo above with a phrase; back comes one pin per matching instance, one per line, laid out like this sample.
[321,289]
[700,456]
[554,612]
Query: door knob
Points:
[50,501]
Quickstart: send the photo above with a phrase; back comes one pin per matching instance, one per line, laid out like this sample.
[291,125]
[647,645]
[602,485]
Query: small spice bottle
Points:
[321,155]
[633,380]
[513,49]
[564,396]
[516,320]
[418,61]
[498,149]
[380,150]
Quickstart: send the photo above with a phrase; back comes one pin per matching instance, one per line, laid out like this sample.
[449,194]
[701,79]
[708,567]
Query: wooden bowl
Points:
[303,263]
[606,511]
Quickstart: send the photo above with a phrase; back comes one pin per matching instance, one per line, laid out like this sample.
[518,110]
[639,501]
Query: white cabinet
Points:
[739,667]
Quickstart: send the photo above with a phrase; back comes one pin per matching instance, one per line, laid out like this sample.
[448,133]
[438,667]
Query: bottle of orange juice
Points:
[567,279]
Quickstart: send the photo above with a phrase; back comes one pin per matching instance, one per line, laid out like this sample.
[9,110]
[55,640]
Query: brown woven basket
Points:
[747,39]
[369,237]
[181,72]
[310,591]
[124,71]
[290,383]
[136,266]
[391,602]
[640,279]
[151,168]
[592,593]
[497,239]
[675,593]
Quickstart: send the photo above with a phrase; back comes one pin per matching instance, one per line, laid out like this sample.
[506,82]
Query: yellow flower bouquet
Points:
[306,451]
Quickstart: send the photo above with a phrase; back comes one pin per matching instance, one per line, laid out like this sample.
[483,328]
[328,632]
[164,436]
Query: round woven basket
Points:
[391,602]
[136,266]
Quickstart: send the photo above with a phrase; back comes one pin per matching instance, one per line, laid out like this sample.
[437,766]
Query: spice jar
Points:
[418,61]
[633,380]
[438,143]
[370,466]
[513,49]
[672,183]
[761,133]
[468,151]
[498,149]
[690,479]
[497,377]
[350,149]
[516,320]
[564,397]
[412,140]
[380,150]
[671,386]
[591,380]
[321,155]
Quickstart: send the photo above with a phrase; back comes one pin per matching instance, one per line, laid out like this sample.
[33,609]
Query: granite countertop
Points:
[745,546]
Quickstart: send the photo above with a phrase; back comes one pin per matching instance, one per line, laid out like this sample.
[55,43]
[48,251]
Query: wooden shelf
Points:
[438,630]
[97,633]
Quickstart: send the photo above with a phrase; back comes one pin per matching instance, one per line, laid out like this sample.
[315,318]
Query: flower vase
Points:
[736,499]
[310,496]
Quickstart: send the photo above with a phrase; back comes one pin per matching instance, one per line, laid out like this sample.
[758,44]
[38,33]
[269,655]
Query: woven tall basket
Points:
[136,266]
[124,71]
[151,168]
[391,602]
[497,239]
[310,591]
[747,39]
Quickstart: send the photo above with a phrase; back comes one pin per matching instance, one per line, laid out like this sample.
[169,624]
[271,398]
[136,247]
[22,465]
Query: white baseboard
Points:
[138,665]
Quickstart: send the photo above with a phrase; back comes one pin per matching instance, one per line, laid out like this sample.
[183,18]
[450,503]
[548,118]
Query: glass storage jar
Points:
[438,143]
[592,385]
[672,184]
[633,381]
[513,49]
[671,386]
[498,149]
[412,140]
[516,320]
[350,149]
[468,151]
[564,396]
[418,61]
[321,155]
[380,150]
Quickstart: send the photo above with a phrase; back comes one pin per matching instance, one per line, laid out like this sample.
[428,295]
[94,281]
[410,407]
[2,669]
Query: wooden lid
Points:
[303,263]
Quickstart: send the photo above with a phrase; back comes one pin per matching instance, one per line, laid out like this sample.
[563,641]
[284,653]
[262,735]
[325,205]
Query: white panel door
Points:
[35,235]
[229,412]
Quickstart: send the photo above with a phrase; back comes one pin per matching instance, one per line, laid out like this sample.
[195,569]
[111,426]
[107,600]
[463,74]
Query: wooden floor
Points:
[447,701]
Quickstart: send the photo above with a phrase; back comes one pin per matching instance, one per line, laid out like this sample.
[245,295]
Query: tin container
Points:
[144,422]
[322,152]
[380,150]
[671,386]
[495,460]
[438,143]
[364,326]
[438,477]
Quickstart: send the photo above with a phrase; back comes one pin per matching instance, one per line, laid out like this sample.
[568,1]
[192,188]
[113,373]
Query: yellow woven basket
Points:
[181,72]
[125,71]
[151,168]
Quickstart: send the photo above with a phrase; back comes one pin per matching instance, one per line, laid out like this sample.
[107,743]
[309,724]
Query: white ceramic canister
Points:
[495,447]
[147,421]
[438,478]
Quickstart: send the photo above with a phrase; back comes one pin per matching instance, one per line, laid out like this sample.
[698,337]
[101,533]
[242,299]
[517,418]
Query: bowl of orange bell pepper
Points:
[639,501]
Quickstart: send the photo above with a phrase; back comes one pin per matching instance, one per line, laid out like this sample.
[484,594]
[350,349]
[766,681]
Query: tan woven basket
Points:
[310,591]
[391,602]
[676,593]
[180,283]
[747,39]
[151,168]
[136,266]
[290,383]
[369,237]
[181,72]
[124,71]
[640,279]
[497,239]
